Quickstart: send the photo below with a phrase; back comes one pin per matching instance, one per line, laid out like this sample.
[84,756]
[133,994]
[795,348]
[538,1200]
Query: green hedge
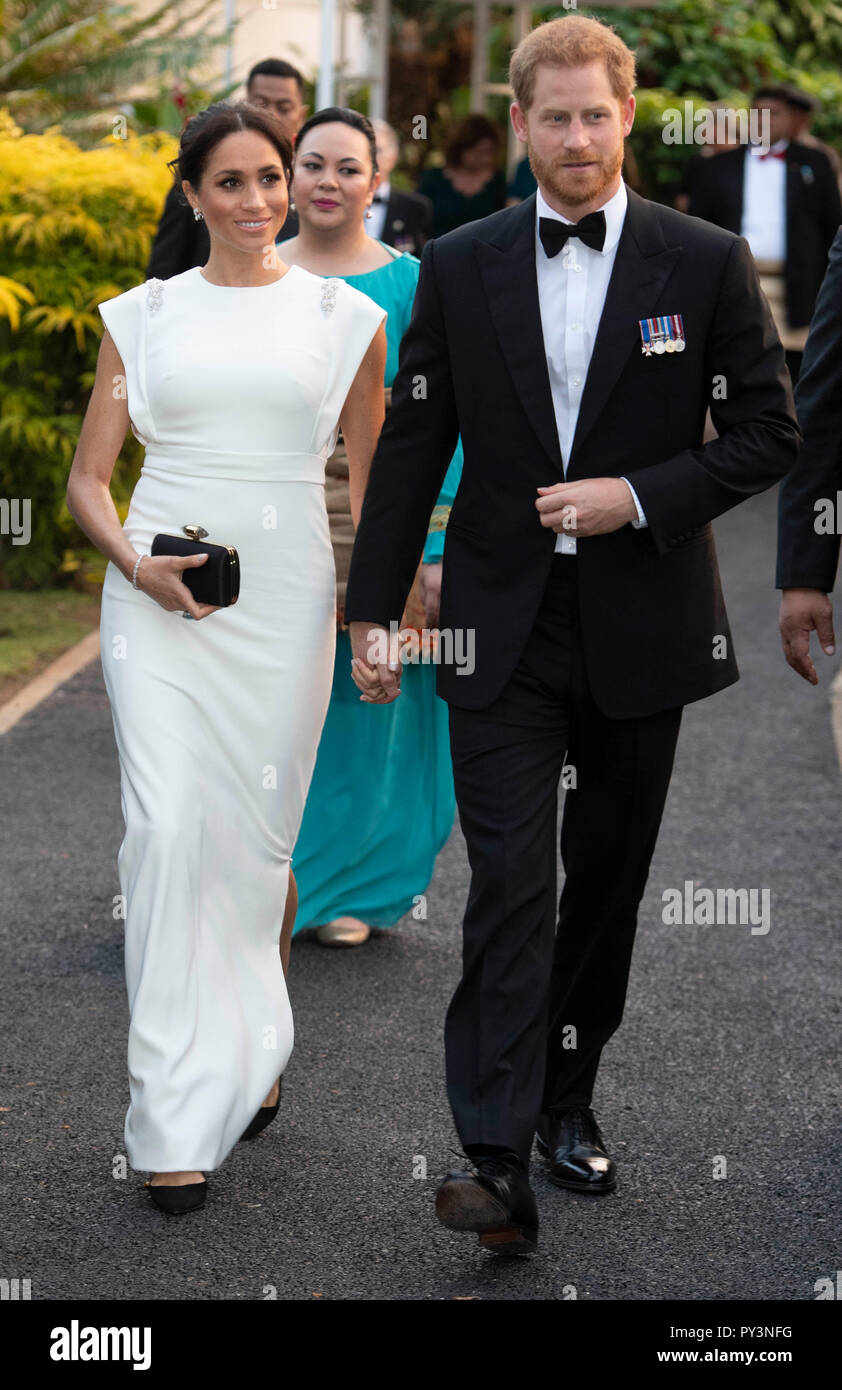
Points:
[76,228]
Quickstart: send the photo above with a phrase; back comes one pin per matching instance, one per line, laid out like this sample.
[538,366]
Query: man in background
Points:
[403,220]
[783,197]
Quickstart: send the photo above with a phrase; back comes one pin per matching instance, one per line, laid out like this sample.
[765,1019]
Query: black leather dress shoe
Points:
[496,1201]
[575,1150]
[175,1201]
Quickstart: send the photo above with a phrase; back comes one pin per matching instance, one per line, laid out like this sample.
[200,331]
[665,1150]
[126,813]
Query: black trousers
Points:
[543,988]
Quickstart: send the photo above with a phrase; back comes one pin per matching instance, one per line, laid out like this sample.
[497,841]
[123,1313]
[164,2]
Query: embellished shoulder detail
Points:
[154,295]
[329,289]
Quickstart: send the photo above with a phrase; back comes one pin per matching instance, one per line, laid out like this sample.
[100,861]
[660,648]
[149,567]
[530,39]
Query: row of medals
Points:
[661,345]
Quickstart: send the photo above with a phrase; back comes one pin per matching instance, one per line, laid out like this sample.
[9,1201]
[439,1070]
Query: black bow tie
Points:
[554,234]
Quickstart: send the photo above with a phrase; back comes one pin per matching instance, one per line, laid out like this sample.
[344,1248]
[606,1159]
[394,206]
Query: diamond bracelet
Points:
[134,571]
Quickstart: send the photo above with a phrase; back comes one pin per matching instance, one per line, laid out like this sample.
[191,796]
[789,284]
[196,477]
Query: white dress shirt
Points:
[571,293]
[377,221]
[764,202]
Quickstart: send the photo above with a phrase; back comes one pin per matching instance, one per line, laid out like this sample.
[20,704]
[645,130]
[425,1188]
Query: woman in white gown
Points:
[235,377]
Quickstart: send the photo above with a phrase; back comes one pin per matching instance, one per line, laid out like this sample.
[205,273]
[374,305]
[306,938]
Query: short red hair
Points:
[570,42]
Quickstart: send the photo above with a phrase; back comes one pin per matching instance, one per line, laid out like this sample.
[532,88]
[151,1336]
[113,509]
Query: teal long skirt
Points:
[381,802]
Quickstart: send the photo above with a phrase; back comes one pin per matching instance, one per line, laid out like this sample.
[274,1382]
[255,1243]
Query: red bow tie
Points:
[773,154]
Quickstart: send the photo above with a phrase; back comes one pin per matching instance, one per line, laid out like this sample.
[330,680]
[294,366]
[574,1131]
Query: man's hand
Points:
[431,592]
[591,507]
[804,611]
[379,681]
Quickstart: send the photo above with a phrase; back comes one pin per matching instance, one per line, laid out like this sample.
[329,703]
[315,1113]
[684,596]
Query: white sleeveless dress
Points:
[236,394]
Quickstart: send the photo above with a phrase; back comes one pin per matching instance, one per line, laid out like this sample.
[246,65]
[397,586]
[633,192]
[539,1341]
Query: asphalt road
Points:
[729,1048]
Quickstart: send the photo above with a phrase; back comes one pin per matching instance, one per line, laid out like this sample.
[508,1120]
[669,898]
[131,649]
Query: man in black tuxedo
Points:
[579,335]
[403,220]
[785,201]
[810,498]
[181,240]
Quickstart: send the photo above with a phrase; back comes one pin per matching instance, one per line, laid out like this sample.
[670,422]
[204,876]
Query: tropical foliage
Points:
[87,63]
[76,228]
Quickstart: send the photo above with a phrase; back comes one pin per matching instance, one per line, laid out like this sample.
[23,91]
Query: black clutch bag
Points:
[217,581]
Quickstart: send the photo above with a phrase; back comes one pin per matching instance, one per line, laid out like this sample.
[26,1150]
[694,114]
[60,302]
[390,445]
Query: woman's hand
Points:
[159,576]
[367,679]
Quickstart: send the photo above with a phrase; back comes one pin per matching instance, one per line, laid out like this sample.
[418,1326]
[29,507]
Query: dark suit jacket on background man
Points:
[409,221]
[807,558]
[813,215]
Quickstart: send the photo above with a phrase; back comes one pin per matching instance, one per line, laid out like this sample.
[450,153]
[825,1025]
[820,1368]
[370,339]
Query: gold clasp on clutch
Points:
[196,533]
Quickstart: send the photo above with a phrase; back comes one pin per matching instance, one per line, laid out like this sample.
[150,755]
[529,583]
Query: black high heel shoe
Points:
[264,1117]
[177,1200]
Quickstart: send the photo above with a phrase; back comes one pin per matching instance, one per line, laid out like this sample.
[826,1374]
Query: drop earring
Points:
[368,211]
[198,215]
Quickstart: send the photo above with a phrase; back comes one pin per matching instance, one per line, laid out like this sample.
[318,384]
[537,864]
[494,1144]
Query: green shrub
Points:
[76,228]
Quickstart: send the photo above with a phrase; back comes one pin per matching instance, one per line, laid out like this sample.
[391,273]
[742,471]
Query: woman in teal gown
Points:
[381,802]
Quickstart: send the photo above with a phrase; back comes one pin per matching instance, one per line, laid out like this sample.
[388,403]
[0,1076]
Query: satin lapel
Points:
[642,266]
[507,268]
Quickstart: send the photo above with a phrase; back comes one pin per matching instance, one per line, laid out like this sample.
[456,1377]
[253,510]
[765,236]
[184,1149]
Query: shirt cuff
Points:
[641,518]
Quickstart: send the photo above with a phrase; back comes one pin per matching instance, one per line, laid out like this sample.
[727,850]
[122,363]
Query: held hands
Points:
[590,507]
[380,682]
[159,576]
[804,611]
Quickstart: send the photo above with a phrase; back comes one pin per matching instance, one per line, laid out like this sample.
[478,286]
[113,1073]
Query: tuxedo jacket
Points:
[813,215]
[182,242]
[472,362]
[409,221]
[806,559]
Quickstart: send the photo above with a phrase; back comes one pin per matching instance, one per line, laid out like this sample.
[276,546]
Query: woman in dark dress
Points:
[470,184]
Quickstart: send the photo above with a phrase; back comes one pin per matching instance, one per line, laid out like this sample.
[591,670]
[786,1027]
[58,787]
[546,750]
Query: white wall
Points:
[289,29]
